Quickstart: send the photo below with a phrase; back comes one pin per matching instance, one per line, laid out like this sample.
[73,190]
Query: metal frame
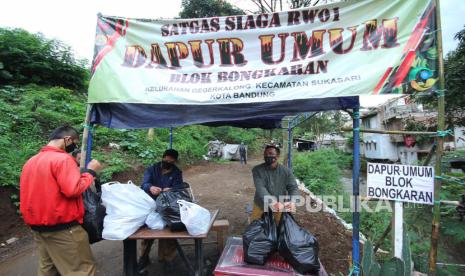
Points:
[171,138]
[291,124]
[356,193]
[130,257]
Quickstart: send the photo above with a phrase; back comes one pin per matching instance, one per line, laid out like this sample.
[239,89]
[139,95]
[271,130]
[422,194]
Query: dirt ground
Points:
[227,186]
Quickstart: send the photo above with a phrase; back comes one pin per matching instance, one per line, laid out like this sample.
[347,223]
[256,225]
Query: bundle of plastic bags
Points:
[195,218]
[155,221]
[260,239]
[93,216]
[127,209]
[297,246]
[294,243]
[168,207]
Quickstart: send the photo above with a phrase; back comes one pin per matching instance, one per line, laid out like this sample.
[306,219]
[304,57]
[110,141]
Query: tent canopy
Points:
[266,115]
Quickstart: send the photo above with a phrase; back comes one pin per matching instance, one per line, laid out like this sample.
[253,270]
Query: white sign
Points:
[401,183]
[345,48]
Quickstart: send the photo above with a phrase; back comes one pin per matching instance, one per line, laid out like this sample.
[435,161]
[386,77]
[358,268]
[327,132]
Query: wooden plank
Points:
[146,233]
[398,226]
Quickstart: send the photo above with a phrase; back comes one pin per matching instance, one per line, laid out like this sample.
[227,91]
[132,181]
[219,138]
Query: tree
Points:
[455,86]
[207,8]
[320,124]
[32,58]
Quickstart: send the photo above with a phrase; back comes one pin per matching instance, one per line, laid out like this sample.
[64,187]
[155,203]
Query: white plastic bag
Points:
[127,209]
[126,199]
[119,228]
[195,217]
[155,221]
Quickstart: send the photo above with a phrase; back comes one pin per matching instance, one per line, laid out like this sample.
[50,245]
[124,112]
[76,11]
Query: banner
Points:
[342,49]
[401,183]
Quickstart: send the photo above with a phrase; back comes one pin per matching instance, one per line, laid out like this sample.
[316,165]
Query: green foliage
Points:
[31,112]
[393,266]
[31,58]
[207,8]
[321,170]
[114,162]
[28,115]
[320,124]
[454,72]
[234,135]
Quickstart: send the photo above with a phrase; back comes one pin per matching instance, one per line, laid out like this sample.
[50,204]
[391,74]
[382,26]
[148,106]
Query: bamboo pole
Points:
[85,137]
[439,151]
[395,132]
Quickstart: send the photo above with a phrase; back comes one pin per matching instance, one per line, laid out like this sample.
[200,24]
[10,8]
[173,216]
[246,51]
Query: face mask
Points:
[166,165]
[70,148]
[269,160]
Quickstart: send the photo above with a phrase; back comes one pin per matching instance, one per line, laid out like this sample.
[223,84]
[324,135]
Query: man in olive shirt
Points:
[272,180]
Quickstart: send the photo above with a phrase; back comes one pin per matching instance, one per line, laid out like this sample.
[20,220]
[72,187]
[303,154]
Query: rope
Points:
[441,133]
[89,127]
[356,115]
[440,92]
[354,271]
[356,129]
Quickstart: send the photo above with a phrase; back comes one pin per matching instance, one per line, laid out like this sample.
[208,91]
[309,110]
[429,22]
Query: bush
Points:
[28,115]
[321,170]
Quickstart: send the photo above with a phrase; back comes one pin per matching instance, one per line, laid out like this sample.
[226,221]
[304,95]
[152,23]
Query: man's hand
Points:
[290,207]
[94,165]
[155,190]
[278,207]
[166,189]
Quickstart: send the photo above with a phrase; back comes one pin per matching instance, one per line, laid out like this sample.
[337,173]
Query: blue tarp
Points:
[250,115]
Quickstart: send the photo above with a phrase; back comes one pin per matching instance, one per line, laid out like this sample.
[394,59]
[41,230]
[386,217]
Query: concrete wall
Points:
[379,146]
[408,155]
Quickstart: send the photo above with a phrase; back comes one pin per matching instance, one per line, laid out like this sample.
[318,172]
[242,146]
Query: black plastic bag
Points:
[260,239]
[297,246]
[93,215]
[168,207]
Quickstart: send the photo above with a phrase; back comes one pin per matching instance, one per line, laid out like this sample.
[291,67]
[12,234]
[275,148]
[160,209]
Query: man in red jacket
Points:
[51,188]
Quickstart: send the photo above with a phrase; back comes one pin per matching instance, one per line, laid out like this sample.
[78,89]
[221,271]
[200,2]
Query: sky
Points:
[73,22]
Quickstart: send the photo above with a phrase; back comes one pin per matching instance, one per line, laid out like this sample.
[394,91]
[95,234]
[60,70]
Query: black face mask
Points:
[166,165]
[269,160]
[70,148]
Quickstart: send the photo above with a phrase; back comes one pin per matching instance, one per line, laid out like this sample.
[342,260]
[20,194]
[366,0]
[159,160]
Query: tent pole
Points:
[171,137]
[90,141]
[355,194]
[86,146]
[289,148]
[439,151]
